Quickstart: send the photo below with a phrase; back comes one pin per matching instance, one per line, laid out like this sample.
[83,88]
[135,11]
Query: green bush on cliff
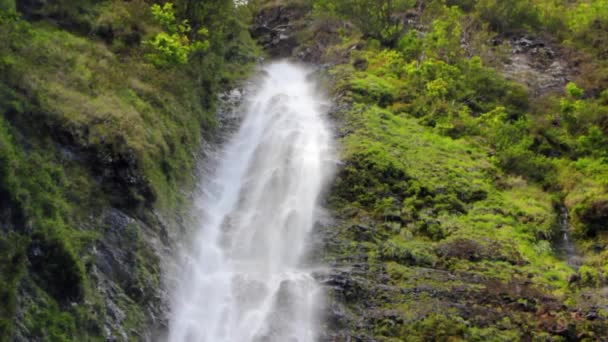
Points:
[593,143]
[173,47]
[442,41]
[35,189]
[509,16]
[375,18]
[422,114]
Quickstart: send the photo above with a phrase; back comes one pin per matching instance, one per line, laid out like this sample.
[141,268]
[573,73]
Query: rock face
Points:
[92,170]
[537,64]
[125,265]
[275,29]
[444,259]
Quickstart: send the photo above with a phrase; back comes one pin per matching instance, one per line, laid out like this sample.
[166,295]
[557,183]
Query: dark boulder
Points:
[274,28]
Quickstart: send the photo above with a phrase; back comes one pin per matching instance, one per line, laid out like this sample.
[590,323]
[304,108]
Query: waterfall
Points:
[243,278]
[565,246]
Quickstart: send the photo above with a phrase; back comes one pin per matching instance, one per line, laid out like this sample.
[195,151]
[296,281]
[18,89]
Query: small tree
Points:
[443,39]
[375,18]
[508,16]
[593,143]
[172,46]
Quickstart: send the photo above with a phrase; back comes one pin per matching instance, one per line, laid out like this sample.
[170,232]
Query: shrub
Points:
[410,45]
[508,16]
[58,268]
[589,276]
[438,327]
[593,143]
[373,89]
[588,21]
[12,267]
[574,91]
[173,46]
[590,214]
[519,159]
[375,18]
[408,253]
[443,39]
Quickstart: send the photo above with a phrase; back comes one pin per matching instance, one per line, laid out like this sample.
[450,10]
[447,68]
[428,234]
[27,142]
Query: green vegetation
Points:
[447,204]
[103,107]
[375,18]
[453,173]
[174,46]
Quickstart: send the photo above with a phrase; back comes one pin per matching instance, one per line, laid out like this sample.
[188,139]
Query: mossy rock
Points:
[57,268]
[591,215]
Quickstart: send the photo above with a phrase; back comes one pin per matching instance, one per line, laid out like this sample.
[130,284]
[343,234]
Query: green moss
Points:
[118,106]
[452,211]
[589,276]
[12,268]
[36,188]
[86,123]
[408,253]
[51,323]
[373,88]
[451,168]
[437,326]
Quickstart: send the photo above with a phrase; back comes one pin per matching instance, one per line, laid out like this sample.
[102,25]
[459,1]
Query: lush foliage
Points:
[173,46]
[376,18]
[102,107]
[452,165]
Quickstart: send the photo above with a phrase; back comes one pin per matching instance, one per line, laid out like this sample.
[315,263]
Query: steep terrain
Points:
[464,132]
[471,202]
[104,105]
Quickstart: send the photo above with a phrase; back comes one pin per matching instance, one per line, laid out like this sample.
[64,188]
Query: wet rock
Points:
[274,29]
[594,215]
[592,316]
[347,289]
[362,233]
[574,278]
[360,64]
[62,277]
[346,285]
[126,271]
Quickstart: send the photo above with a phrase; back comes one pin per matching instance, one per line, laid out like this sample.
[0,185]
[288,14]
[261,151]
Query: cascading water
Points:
[565,245]
[243,278]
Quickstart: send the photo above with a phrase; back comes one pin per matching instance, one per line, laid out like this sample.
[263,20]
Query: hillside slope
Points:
[471,201]
[473,138]
[104,105]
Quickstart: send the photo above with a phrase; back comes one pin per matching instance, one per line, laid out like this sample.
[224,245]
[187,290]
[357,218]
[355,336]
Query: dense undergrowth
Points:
[97,113]
[454,173]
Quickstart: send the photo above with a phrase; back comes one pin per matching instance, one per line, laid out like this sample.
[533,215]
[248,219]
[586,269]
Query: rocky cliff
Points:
[98,146]
[430,236]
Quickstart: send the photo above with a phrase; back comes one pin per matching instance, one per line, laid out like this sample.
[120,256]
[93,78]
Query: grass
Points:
[88,124]
[111,106]
[452,175]
[439,206]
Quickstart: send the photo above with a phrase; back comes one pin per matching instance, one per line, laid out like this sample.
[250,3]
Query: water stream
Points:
[243,278]
[565,246]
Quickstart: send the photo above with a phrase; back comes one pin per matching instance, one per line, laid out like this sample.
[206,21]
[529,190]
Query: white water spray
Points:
[243,280]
